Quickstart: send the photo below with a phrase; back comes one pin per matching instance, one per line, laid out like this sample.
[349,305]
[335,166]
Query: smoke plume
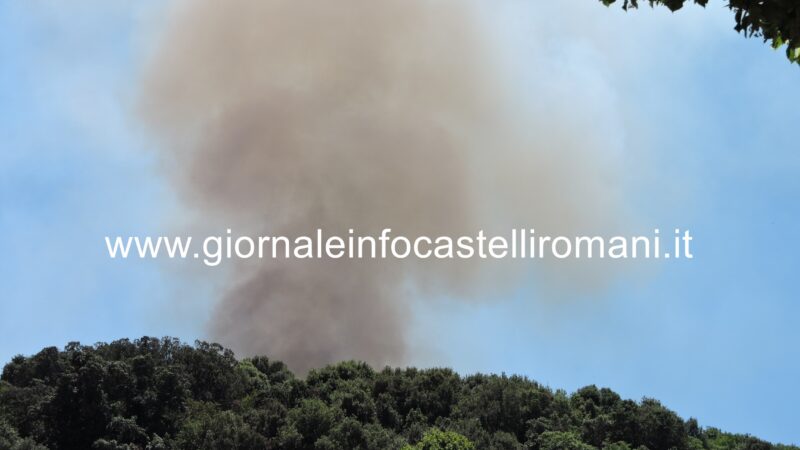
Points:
[284,116]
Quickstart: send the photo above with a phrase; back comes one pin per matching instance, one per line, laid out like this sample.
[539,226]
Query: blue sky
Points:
[708,119]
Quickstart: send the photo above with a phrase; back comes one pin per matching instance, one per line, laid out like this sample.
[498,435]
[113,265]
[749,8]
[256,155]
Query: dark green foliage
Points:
[207,428]
[442,440]
[158,394]
[561,440]
[776,21]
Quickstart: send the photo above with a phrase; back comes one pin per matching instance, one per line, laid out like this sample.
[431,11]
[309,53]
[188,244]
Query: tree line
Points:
[153,393]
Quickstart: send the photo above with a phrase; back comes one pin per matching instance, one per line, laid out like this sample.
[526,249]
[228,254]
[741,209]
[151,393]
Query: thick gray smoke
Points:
[284,116]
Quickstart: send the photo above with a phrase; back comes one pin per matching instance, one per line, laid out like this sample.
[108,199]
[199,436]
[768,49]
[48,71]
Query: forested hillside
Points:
[161,394]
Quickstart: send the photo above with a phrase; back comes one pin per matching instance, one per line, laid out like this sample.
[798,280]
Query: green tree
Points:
[436,439]
[561,440]
[312,419]
[775,21]
[660,428]
[209,429]
[617,446]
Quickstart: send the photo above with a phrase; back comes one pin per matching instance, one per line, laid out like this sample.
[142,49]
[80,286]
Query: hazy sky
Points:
[706,128]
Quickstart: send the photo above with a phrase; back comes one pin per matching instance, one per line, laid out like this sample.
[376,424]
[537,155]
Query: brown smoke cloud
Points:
[284,116]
